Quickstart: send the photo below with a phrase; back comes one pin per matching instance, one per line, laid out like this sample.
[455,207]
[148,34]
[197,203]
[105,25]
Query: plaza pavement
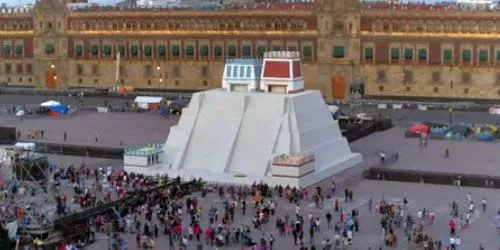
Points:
[435,198]
[133,129]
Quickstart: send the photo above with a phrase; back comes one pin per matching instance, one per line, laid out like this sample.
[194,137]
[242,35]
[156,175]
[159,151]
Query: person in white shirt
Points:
[420,214]
[483,204]
[469,197]
[452,242]
[471,207]
[458,241]
[185,242]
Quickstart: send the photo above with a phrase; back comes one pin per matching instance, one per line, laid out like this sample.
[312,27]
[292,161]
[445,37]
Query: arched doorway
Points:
[338,87]
[51,82]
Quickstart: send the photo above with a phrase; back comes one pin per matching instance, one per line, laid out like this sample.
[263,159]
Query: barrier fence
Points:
[441,178]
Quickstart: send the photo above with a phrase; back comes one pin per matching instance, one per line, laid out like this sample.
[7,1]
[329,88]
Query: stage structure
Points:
[254,129]
[35,198]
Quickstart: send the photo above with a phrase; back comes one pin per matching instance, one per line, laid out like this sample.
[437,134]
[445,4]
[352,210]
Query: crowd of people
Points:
[187,219]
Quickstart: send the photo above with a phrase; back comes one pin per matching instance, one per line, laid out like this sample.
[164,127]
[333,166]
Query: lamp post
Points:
[160,80]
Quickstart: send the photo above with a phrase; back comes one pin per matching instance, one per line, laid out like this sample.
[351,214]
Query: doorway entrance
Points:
[51,80]
[338,87]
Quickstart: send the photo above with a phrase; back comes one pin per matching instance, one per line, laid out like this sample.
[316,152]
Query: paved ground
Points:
[130,128]
[480,231]
[466,156]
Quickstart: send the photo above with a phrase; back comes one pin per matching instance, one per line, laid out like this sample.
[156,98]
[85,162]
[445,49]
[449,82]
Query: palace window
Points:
[408,54]
[394,54]
[260,50]
[246,50]
[107,50]
[448,56]
[483,56]
[368,54]
[422,54]
[121,49]
[466,55]
[49,49]
[189,50]
[134,50]
[94,50]
[175,50]
[204,51]
[497,56]
[148,50]
[231,50]
[218,51]
[338,52]
[307,52]
[78,50]
[19,50]
[162,51]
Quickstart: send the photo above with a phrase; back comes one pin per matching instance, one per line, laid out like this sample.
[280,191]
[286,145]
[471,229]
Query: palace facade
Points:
[395,50]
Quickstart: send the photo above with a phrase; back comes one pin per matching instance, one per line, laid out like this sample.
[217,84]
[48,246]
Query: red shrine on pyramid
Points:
[282,72]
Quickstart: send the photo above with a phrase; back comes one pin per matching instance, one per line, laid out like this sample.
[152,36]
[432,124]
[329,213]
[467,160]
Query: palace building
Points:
[393,50]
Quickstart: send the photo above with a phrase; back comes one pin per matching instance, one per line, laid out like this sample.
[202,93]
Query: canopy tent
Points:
[486,136]
[50,103]
[61,109]
[148,102]
[419,128]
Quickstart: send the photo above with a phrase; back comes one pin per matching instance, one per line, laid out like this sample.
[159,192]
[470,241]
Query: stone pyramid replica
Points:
[260,126]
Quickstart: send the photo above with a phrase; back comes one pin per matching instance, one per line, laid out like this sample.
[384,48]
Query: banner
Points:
[382,106]
[102,110]
[397,106]
[495,110]
[422,107]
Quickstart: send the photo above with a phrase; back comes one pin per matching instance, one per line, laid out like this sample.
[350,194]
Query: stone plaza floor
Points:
[434,198]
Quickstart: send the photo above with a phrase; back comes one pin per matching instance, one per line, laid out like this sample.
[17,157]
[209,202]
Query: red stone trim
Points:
[288,176]
[292,166]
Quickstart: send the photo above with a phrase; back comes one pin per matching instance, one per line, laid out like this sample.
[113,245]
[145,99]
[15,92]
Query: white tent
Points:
[144,101]
[50,103]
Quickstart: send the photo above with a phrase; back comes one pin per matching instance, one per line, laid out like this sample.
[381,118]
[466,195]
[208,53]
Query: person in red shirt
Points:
[209,234]
[197,232]
[453,227]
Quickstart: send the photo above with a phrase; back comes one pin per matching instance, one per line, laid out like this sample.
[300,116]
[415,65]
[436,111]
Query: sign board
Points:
[422,107]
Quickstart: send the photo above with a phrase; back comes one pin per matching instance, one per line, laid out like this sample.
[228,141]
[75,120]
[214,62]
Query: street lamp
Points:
[55,78]
[52,66]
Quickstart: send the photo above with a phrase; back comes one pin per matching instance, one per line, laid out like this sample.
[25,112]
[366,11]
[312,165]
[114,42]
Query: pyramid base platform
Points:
[239,179]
